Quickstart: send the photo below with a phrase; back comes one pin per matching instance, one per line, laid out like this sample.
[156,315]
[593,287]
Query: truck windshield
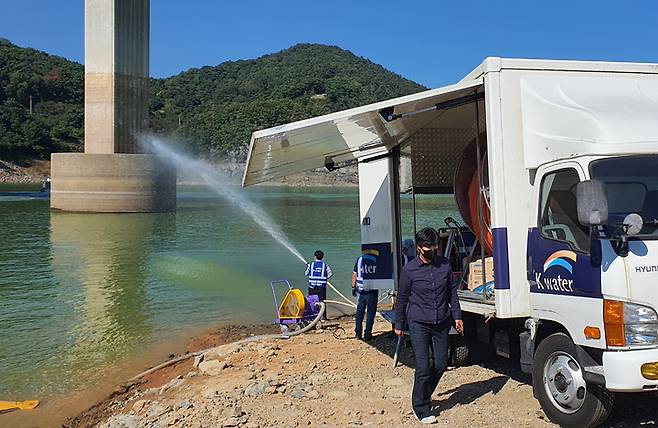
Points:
[632,186]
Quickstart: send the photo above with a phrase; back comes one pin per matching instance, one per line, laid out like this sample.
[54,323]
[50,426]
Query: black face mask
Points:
[429,255]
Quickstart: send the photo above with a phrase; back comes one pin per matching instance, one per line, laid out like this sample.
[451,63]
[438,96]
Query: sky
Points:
[434,43]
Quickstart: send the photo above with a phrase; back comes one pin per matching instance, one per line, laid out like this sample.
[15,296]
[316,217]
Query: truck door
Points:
[559,253]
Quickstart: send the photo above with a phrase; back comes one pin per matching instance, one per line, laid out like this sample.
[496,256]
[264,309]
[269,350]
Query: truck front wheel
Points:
[560,387]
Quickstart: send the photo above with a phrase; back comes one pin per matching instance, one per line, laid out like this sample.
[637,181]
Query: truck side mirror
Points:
[592,203]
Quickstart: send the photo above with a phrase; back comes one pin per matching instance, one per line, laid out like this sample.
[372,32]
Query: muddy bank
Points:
[214,338]
[37,170]
[344,177]
[24,173]
[56,410]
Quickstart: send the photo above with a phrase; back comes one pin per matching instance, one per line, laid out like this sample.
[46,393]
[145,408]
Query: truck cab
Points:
[594,240]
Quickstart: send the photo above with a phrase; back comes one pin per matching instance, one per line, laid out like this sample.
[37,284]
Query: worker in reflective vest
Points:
[367,303]
[318,272]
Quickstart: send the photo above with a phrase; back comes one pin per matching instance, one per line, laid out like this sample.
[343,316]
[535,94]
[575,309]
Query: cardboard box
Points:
[475,277]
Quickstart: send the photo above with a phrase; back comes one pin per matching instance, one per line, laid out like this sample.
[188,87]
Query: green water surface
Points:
[79,293]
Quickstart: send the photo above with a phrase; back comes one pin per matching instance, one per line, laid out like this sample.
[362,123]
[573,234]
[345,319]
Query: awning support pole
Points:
[479,202]
[396,220]
[413,199]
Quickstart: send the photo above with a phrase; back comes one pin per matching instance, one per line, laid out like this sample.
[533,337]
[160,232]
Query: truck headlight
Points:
[629,324]
[640,325]
[637,314]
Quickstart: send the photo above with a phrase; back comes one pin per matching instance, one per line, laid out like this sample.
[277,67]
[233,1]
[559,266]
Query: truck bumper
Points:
[622,370]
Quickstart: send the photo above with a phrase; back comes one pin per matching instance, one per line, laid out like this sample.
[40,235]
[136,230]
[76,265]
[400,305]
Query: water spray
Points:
[218,184]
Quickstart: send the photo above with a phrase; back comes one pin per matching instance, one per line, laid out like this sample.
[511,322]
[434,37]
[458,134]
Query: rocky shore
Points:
[320,379]
[36,171]
[324,378]
[24,173]
[342,177]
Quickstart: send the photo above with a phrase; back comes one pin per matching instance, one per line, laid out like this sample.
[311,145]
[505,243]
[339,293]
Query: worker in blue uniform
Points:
[367,301]
[318,272]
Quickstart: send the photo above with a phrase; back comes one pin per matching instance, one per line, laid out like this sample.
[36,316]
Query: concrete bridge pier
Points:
[114,174]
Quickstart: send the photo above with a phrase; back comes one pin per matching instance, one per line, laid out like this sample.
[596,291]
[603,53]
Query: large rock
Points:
[120,421]
[155,410]
[210,393]
[172,384]
[185,404]
[255,389]
[212,367]
[139,405]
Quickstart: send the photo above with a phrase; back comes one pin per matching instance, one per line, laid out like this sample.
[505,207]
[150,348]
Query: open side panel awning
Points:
[355,134]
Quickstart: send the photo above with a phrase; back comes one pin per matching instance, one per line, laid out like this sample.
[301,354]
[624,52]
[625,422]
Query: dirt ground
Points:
[325,378]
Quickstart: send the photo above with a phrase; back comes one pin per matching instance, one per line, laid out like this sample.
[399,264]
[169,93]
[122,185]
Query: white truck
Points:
[554,165]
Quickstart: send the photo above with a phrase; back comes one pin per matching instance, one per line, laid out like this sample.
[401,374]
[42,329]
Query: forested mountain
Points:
[211,109]
[56,87]
[220,106]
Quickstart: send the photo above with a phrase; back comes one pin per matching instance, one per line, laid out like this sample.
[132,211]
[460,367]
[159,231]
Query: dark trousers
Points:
[320,291]
[322,294]
[430,344]
[367,303]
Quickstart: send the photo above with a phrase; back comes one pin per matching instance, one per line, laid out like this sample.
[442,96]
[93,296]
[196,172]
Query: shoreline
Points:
[29,172]
[59,409]
[35,171]
[323,378]
[211,338]
[307,380]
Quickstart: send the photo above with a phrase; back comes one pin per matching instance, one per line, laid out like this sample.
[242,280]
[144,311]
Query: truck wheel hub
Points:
[564,382]
[561,383]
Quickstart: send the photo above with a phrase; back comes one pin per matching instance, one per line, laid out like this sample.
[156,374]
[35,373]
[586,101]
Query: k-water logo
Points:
[370,255]
[377,260]
[558,272]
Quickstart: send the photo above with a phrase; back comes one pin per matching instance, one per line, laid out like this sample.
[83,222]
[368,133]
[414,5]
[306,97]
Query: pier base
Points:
[113,182]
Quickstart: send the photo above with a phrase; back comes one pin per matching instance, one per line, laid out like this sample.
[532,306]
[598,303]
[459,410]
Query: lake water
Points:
[81,293]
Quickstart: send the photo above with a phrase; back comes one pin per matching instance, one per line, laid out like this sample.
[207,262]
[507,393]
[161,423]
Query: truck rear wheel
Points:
[560,387]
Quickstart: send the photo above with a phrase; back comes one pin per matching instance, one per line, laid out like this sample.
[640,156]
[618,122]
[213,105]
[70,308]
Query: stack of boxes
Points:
[475,277]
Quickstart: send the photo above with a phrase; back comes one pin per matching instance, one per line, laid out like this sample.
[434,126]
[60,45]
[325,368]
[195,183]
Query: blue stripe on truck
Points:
[501,258]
